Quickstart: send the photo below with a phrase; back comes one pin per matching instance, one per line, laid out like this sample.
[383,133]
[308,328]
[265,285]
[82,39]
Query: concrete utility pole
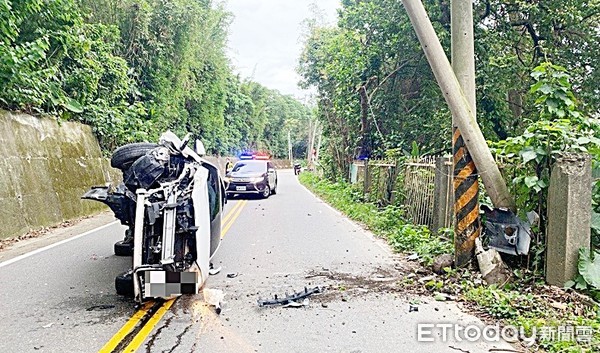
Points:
[312,132]
[459,105]
[467,226]
[318,145]
[290,155]
[309,144]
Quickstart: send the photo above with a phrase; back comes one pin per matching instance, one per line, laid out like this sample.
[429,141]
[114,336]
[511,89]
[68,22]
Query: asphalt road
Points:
[62,299]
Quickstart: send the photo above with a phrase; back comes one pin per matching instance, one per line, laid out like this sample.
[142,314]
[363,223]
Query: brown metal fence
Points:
[410,184]
[419,190]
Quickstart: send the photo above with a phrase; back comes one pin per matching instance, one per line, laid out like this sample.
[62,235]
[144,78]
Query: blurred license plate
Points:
[240,188]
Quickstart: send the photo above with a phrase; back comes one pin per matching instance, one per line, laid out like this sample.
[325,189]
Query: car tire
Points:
[124,284]
[123,249]
[274,190]
[266,193]
[124,156]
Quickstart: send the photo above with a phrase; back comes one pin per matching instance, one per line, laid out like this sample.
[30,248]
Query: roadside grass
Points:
[528,304]
[560,325]
[387,222]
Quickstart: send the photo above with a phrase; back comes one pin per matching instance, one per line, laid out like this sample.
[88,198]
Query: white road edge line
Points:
[37,251]
[367,233]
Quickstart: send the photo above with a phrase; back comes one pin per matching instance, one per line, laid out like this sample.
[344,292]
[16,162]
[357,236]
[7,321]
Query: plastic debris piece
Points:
[214,297]
[214,271]
[413,257]
[305,302]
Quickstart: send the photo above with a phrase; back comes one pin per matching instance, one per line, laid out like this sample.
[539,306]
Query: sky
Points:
[265,39]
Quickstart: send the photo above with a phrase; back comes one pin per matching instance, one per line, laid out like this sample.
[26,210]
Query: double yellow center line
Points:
[231,216]
[145,319]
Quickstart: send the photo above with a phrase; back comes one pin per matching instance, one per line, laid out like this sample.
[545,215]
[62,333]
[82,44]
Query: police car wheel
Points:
[266,192]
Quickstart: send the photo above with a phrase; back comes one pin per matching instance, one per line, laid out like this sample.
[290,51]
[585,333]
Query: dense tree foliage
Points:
[135,68]
[376,93]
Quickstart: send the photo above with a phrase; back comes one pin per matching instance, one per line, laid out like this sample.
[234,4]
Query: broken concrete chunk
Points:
[492,268]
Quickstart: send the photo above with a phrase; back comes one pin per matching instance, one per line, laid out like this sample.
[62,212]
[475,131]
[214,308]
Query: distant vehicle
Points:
[252,177]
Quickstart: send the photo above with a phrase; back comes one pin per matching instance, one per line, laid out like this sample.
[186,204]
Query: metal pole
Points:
[459,106]
[467,226]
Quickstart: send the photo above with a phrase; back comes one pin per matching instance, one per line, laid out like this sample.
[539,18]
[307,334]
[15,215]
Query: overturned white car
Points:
[171,199]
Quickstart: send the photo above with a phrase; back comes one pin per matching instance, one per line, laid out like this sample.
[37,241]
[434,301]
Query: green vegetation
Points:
[387,222]
[533,312]
[562,128]
[134,68]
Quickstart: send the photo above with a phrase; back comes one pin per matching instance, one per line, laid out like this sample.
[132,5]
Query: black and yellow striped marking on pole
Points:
[467,226]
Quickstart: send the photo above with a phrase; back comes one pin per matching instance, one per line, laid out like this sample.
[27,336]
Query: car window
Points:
[270,166]
[249,167]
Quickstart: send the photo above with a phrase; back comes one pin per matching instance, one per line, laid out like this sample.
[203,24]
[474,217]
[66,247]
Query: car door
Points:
[272,175]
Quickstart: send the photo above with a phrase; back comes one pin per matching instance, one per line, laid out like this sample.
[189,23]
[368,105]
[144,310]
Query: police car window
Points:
[251,167]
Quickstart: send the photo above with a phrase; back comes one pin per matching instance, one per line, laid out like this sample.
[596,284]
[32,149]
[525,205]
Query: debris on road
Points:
[412,308]
[213,271]
[442,297]
[100,307]
[295,297]
[232,275]
[48,325]
[214,297]
[426,278]
[413,257]
[301,304]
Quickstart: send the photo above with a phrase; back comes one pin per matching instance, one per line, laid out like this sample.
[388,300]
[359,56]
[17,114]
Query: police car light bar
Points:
[255,156]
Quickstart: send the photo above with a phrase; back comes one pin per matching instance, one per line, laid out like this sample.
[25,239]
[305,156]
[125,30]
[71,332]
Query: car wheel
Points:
[274,190]
[124,156]
[123,249]
[266,192]
[124,284]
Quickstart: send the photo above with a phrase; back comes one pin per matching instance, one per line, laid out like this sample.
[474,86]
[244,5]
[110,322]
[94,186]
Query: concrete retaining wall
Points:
[45,167]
